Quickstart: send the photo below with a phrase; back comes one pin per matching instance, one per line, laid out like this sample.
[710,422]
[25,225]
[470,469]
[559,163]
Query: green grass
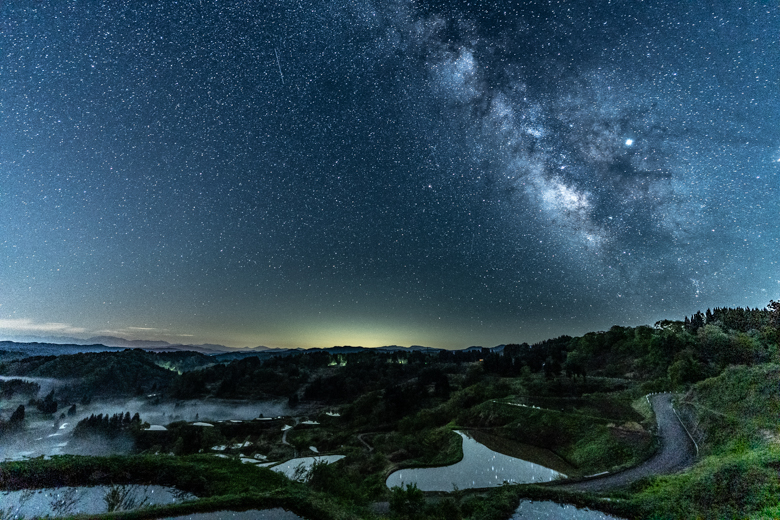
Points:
[736,410]
[768,513]
[729,486]
[427,448]
[643,408]
[590,444]
[601,406]
[736,416]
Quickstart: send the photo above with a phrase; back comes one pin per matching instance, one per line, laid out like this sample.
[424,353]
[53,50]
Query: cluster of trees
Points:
[46,405]
[108,426]
[183,361]
[248,378]
[679,352]
[738,319]
[319,375]
[14,423]
[129,372]
[25,366]
[548,356]
[18,386]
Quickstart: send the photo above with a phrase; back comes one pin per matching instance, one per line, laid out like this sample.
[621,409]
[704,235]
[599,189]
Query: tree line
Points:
[107,426]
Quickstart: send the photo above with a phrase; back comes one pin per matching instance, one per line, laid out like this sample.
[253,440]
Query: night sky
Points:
[318,173]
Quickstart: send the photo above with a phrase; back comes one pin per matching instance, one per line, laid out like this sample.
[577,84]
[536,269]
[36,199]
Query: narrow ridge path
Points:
[367,445]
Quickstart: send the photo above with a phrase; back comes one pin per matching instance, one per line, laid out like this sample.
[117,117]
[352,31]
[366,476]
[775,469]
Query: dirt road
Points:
[676,452]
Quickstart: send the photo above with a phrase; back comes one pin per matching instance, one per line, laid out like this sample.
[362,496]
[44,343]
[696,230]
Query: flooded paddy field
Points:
[67,501]
[480,467]
[545,510]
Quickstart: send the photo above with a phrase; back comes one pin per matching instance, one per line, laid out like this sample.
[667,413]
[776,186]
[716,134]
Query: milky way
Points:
[447,174]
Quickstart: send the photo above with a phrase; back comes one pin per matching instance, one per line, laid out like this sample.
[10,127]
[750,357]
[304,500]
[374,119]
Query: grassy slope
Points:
[738,474]
[589,444]
[719,486]
[739,408]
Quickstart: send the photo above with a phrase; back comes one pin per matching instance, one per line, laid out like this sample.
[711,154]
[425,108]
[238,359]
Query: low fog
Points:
[46,435]
[47,384]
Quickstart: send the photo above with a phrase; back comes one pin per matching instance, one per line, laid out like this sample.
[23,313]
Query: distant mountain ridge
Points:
[121,343]
[13,349]
[60,346]
[113,341]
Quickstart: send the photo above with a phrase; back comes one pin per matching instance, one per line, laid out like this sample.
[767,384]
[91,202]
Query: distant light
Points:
[629,142]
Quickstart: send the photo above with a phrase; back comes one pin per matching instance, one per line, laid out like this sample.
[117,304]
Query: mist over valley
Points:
[386,431]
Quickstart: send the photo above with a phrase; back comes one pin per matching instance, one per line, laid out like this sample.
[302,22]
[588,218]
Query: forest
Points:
[574,404]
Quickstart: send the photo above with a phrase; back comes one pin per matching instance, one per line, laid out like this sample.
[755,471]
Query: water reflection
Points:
[67,501]
[297,469]
[532,510]
[481,467]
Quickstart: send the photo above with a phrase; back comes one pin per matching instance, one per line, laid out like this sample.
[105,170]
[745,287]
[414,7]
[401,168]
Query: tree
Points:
[714,345]
[696,322]
[774,313]
[48,405]
[514,350]
[551,367]
[16,422]
[575,365]
[686,369]
[407,503]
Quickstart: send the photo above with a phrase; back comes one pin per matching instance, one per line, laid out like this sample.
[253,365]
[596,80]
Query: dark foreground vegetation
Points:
[573,404]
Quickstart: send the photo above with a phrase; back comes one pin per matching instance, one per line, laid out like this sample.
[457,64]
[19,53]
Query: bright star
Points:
[629,142]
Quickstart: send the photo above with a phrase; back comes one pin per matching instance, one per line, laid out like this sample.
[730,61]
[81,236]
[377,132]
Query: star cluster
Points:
[354,172]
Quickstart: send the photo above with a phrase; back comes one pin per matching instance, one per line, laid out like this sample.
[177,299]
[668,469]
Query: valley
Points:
[667,421]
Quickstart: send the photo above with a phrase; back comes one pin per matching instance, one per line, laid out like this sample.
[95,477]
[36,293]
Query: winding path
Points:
[284,435]
[367,445]
[676,452]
